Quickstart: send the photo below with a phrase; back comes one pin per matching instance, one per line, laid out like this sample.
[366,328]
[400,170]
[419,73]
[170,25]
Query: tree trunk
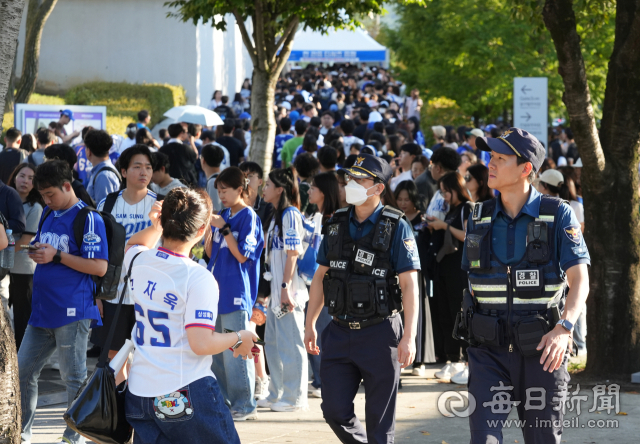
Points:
[37,16]
[609,184]
[10,99]
[263,121]
[10,419]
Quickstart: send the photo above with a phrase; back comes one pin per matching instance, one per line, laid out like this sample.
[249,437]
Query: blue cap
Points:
[333,107]
[294,116]
[489,127]
[245,115]
[367,165]
[68,113]
[515,142]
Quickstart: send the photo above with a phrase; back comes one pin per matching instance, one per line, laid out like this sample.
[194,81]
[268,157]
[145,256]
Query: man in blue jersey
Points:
[62,304]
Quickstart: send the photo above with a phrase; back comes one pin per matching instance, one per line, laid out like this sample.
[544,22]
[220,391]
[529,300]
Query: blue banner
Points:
[338,56]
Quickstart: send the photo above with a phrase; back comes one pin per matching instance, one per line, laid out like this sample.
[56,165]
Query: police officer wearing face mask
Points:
[527,266]
[367,274]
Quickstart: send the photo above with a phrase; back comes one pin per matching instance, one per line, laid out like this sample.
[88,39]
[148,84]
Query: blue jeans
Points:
[197,415]
[235,375]
[37,347]
[287,358]
[314,360]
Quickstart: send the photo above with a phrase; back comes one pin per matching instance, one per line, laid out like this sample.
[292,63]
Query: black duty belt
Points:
[358,324]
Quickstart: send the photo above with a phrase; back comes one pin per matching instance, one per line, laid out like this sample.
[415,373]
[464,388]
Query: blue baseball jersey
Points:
[404,252]
[82,166]
[509,236]
[238,282]
[62,295]
[281,139]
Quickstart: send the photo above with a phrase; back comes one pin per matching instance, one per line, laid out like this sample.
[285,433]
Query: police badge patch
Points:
[573,233]
[409,244]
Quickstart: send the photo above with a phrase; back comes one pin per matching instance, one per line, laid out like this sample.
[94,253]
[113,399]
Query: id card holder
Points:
[363,261]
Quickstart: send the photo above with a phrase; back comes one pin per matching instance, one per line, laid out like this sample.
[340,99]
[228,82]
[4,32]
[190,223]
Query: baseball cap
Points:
[515,141]
[245,115]
[488,128]
[552,177]
[439,130]
[294,116]
[375,116]
[286,105]
[367,165]
[475,132]
[67,112]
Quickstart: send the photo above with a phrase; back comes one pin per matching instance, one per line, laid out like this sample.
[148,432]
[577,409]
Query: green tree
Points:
[470,51]
[268,28]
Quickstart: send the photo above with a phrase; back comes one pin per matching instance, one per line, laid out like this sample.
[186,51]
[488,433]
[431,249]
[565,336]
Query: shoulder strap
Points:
[46,214]
[106,168]
[385,228]
[549,205]
[213,177]
[107,345]
[78,223]
[110,201]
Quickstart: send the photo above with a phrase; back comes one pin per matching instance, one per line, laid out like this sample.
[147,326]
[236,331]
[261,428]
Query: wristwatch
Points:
[285,285]
[566,325]
[57,258]
[226,229]
[239,343]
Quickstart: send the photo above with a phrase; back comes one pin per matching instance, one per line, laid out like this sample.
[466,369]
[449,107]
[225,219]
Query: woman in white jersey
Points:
[173,395]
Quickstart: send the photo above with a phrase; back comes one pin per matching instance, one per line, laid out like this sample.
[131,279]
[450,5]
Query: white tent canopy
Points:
[337,46]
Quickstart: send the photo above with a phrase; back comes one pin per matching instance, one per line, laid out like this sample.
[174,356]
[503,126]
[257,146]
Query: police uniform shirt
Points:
[133,218]
[62,295]
[508,238]
[404,253]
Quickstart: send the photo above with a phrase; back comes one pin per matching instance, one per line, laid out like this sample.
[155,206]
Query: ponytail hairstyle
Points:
[184,211]
[286,179]
[233,177]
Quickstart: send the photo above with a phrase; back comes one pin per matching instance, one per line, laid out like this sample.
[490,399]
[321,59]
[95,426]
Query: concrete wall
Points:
[134,41]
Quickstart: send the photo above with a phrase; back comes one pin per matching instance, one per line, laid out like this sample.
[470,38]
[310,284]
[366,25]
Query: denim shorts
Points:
[196,413]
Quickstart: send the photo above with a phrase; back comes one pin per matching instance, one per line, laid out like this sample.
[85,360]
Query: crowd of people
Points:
[227,239]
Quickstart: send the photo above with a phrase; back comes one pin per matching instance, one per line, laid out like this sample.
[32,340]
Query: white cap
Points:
[286,105]
[578,164]
[375,116]
[562,161]
[439,130]
[476,132]
[552,177]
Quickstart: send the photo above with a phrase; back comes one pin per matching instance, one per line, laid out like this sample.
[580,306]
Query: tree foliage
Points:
[470,51]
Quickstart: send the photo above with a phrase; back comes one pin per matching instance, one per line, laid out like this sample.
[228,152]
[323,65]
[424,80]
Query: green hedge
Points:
[124,100]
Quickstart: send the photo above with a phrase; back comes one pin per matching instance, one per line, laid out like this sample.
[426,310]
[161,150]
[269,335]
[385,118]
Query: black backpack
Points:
[107,285]
[106,168]
[5,224]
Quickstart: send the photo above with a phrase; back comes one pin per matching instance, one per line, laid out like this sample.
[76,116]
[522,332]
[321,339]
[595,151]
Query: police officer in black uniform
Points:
[527,266]
[367,273]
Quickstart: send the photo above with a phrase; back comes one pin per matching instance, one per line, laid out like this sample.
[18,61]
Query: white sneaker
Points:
[461,377]
[449,370]
[418,371]
[285,407]
[262,388]
[239,416]
[316,393]
[265,403]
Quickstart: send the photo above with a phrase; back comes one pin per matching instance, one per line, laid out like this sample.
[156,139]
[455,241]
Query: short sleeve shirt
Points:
[404,253]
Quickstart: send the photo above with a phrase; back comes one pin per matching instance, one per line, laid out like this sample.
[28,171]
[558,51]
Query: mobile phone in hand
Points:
[29,247]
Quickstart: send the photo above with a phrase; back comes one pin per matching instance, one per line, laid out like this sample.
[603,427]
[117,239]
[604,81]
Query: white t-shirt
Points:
[438,207]
[348,141]
[278,245]
[134,218]
[172,293]
[393,183]
[578,208]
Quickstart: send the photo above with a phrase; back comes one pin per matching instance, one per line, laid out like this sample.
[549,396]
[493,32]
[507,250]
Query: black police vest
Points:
[361,281]
[533,284]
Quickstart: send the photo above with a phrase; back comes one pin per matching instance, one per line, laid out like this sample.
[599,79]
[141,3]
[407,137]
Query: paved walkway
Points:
[418,420]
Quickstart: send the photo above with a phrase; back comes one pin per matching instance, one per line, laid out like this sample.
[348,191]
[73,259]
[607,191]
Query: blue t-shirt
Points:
[509,236]
[404,252]
[82,166]
[281,139]
[62,295]
[238,282]
[419,139]
[106,181]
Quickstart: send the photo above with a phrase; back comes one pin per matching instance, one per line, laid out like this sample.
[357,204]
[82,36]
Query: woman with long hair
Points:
[21,277]
[173,395]
[234,247]
[450,280]
[284,333]
[408,201]
[477,179]
[216,99]
[324,194]
[413,124]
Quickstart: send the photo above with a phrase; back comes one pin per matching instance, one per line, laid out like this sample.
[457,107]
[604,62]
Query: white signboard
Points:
[530,106]
[28,118]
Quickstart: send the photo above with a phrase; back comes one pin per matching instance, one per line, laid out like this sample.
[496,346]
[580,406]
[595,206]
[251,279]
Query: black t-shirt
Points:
[181,159]
[224,112]
[234,147]
[10,158]
[360,131]
[455,218]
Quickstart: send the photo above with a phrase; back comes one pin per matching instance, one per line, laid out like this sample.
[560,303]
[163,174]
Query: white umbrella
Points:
[194,114]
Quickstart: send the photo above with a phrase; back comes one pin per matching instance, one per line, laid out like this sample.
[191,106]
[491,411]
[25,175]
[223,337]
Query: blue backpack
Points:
[307,264]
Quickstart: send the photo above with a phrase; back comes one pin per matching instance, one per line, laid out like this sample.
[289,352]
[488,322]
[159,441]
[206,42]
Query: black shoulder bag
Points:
[97,412]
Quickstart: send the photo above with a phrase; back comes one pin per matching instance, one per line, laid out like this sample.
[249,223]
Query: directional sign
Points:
[530,106]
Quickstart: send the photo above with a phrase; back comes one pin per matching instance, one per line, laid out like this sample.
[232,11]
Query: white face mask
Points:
[355,193]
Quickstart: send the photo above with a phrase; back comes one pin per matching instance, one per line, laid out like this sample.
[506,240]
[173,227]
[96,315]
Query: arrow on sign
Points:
[525,89]
[528,117]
